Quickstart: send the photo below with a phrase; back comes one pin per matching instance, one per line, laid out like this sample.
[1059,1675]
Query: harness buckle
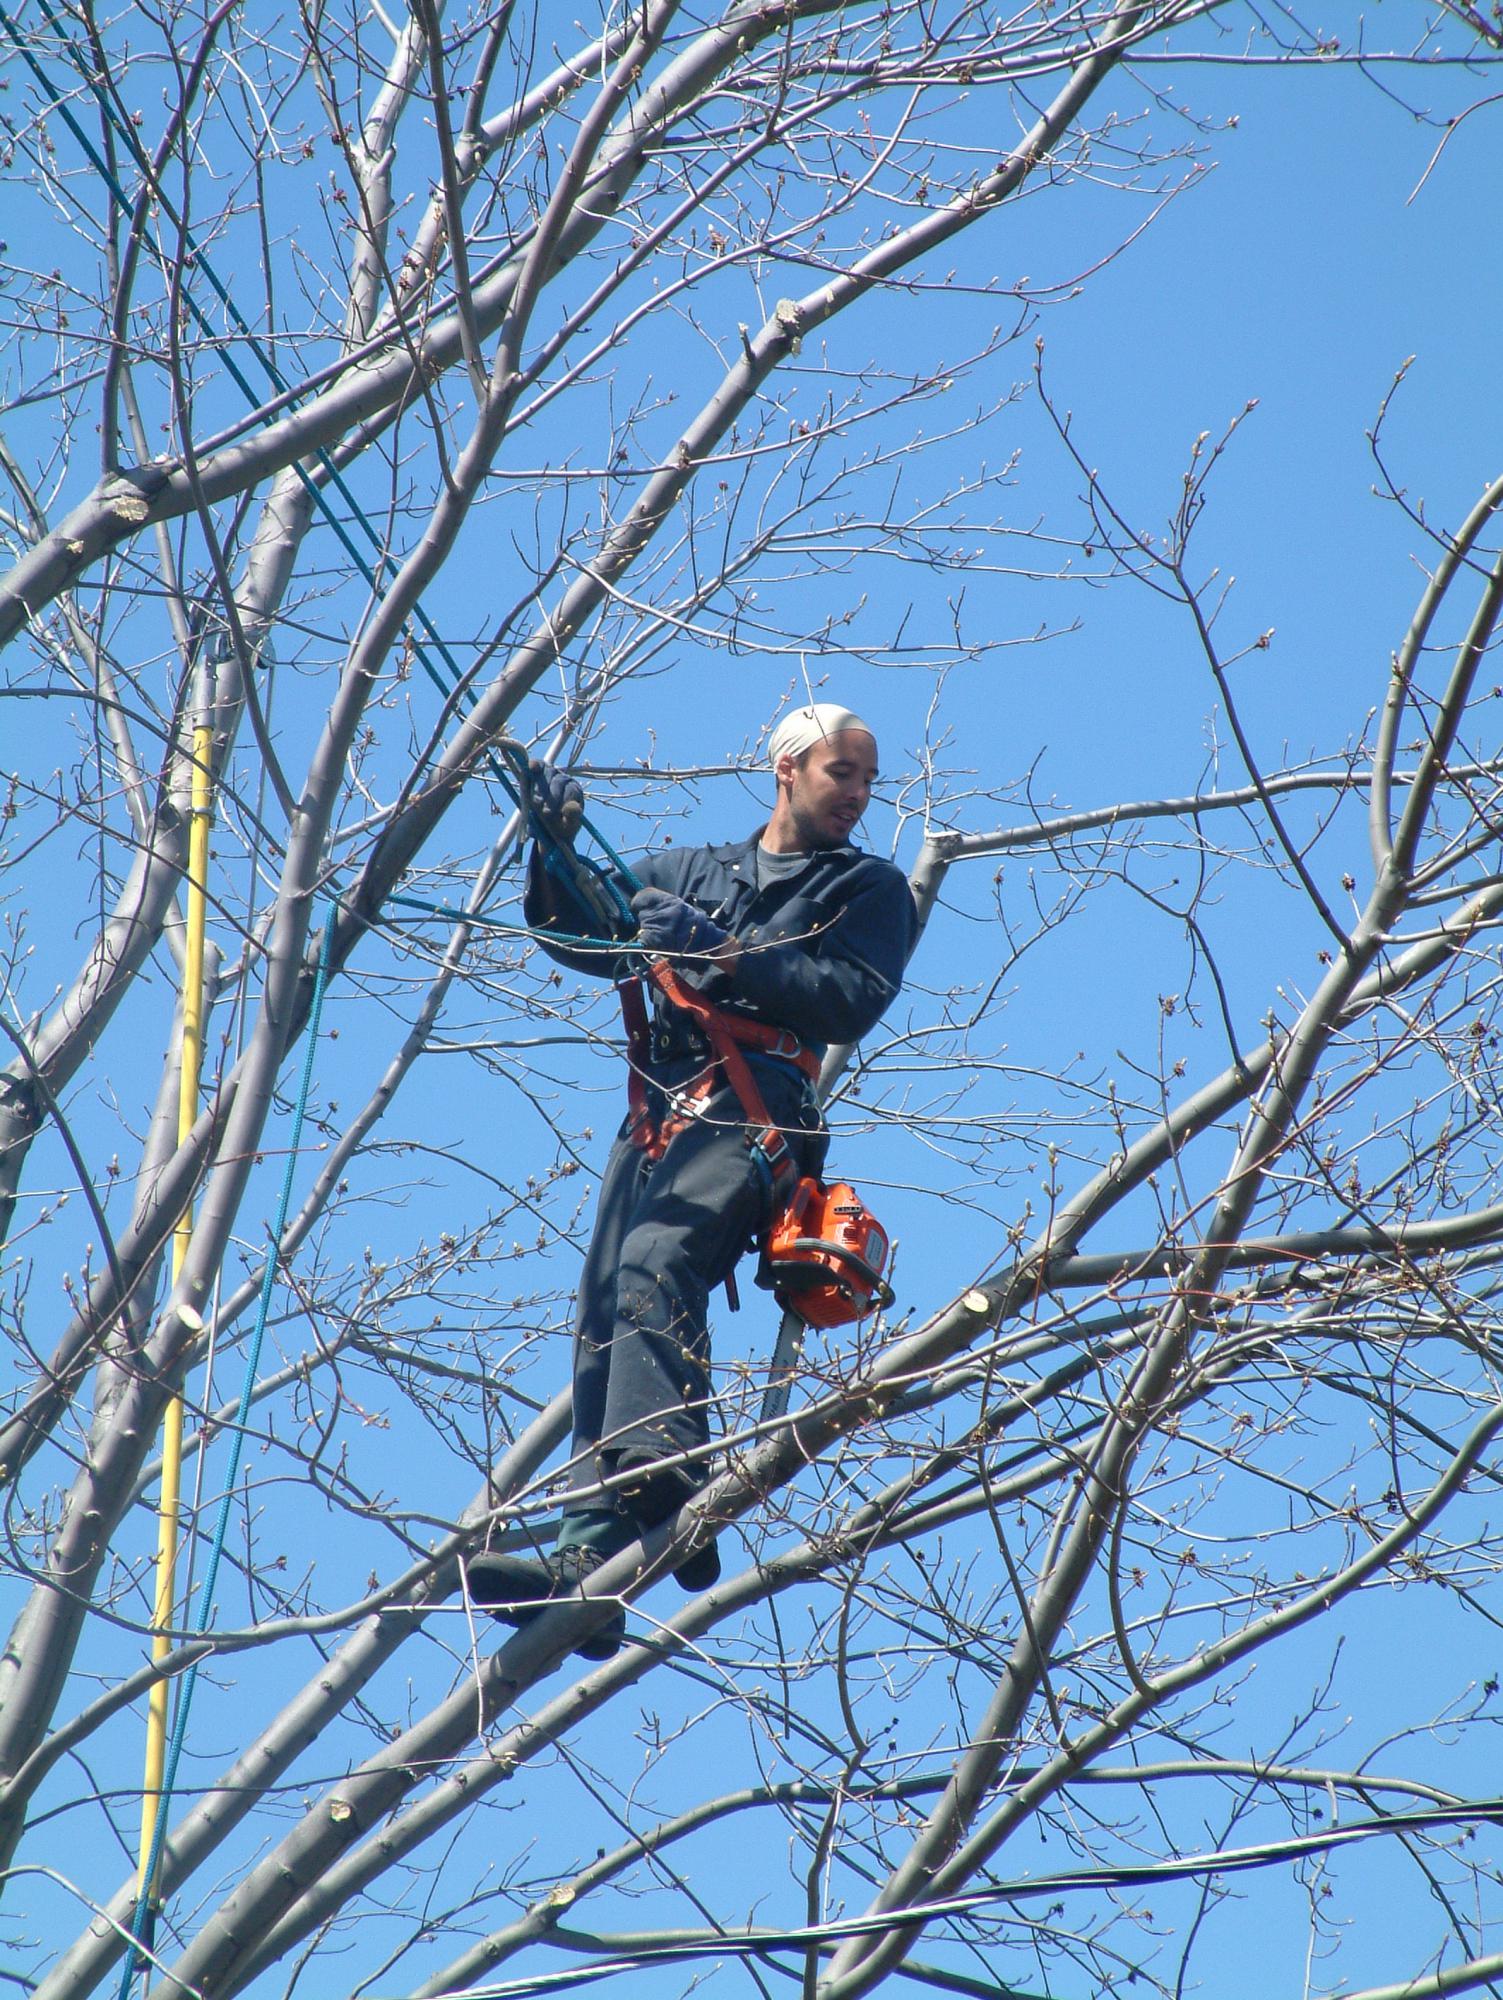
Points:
[769,1149]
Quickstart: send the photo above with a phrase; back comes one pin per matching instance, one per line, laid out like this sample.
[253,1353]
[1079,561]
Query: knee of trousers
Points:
[664,1316]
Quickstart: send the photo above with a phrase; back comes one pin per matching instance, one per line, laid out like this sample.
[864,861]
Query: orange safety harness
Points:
[823,1252]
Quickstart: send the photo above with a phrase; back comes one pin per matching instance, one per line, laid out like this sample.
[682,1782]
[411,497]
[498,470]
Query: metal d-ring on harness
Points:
[822,1252]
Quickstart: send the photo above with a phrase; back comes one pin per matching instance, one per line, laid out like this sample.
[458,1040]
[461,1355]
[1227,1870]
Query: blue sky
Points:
[1302,269]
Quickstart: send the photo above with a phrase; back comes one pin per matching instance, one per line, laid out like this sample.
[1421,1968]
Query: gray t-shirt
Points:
[777,867]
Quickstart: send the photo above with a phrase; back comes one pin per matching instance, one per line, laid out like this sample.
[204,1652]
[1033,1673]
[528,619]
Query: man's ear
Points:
[784,769]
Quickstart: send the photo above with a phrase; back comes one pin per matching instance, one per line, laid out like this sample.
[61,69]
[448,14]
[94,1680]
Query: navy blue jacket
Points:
[823,950]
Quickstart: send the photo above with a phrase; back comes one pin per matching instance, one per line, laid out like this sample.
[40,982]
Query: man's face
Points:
[831,788]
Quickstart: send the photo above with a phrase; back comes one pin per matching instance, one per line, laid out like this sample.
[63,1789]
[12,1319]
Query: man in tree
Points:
[800,940]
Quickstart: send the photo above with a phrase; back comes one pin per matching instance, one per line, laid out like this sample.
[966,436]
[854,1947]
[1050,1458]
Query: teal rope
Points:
[198,261]
[452,916]
[140,1923]
[608,881]
[517,788]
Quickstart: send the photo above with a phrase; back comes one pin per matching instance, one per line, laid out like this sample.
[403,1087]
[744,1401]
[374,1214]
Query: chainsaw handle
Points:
[874,1280]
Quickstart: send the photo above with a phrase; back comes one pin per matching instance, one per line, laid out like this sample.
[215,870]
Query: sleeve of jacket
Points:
[841,989]
[550,905]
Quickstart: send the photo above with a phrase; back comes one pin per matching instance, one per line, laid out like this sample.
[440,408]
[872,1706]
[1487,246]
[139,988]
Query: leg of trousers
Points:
[665,1236]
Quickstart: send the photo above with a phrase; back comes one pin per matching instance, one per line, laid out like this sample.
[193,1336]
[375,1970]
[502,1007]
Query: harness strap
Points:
[641,1127]
[763,1137]
[727,1034]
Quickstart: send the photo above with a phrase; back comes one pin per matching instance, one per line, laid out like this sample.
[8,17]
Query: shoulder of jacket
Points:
[737,850]
[680,864]
[872,868]
[735,855]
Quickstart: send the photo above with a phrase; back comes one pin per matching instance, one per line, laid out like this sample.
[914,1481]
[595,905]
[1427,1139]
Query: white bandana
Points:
[801,728]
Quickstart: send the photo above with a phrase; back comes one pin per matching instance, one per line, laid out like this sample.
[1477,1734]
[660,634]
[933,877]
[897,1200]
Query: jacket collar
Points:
[744,851]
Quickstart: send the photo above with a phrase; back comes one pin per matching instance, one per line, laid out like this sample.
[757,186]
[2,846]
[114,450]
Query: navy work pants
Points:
[667,1232]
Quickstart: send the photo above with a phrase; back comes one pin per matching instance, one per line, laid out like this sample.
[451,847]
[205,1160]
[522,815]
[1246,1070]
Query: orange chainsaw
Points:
[822,1258]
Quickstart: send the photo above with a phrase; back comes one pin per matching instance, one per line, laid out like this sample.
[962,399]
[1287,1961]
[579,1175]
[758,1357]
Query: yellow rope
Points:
[168,1503]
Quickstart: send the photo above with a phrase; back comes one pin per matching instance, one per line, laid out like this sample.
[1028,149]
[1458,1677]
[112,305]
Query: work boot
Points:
[517,1589]
[654,1492]
[701,1570]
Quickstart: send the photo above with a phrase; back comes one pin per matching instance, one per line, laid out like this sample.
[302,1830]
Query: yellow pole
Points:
[201,816]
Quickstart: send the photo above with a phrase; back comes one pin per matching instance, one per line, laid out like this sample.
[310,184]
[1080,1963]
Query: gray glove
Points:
[666,923]
[557,799]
